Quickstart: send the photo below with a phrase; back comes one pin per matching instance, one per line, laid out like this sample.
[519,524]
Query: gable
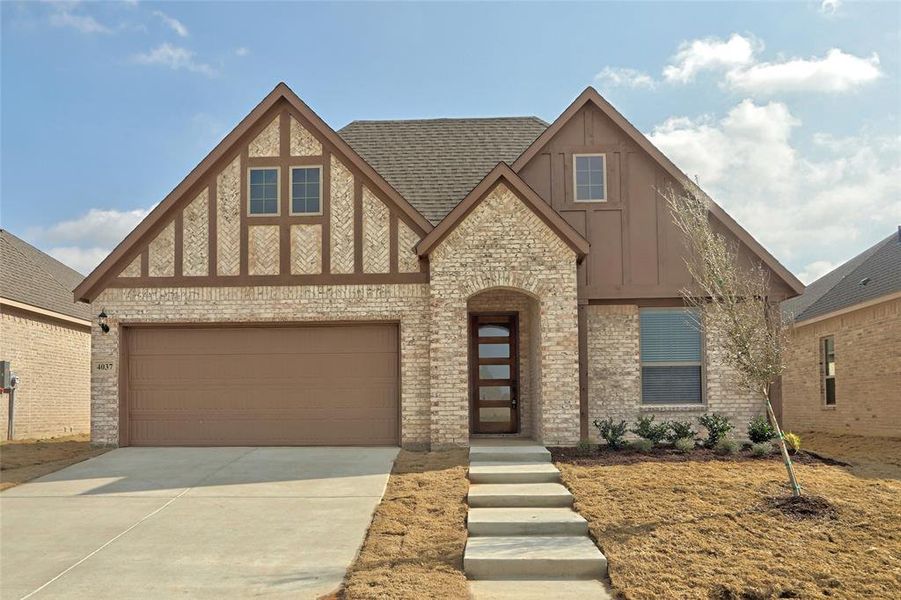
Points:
[204,233]
[637,251]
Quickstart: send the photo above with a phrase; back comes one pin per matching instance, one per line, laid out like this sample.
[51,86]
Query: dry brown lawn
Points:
[707,528]
[414,548]
[23,460]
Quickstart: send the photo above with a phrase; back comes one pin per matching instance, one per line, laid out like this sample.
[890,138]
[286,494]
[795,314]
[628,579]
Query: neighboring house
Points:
[46,336]
[408,282]
[843,367]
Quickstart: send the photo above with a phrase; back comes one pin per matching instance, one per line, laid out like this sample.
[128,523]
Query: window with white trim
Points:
[589,172]
[827,353]
[671,356]
[263,192]
[306,188]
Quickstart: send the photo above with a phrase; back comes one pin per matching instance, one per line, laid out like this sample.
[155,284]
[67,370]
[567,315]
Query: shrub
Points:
[647,429]
[679,430]
[717,427]
[760,430]
[793,441]
[613,433]
[760,449]
[725,446]
[684,444]
[643,445]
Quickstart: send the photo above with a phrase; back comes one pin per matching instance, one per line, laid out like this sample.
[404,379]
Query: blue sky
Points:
[788,113]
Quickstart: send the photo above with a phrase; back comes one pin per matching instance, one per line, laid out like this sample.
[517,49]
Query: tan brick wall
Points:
[161,259]
[228,219]
[614,376]
[503,244]
[342,218]
[267,142]
[407,304]
[867,374]
[52,360]
[303,143]
[196,241]
[376,236]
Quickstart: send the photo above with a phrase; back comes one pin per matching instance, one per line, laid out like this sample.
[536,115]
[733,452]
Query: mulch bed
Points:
[602,455]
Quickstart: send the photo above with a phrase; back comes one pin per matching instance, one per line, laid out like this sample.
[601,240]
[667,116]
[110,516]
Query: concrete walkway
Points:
[525,540]
[191,523]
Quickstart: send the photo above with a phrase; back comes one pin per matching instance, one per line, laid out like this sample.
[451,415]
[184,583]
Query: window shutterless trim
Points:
[824,373]
[603,156]
[278,192]
[702,363]
[291,191]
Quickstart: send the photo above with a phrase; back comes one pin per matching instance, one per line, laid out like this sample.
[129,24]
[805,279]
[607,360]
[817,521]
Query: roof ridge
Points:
[445,119]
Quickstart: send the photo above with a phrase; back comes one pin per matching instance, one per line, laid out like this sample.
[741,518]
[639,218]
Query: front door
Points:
[494,372]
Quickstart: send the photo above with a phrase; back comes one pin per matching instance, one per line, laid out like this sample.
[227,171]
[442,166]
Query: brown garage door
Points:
[248,386]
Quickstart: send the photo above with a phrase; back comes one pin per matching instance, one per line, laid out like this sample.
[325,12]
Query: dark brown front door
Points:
[494,373]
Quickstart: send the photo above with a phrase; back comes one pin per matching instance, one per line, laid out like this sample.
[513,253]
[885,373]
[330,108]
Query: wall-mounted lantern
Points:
[101,320]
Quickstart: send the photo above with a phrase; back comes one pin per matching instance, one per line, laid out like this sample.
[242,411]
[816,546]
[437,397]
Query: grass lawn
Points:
[23,460]
[699,526]
[414,547]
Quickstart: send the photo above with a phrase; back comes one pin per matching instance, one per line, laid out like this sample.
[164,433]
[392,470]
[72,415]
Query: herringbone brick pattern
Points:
[306,249]
[263,250]
[133,269]
[195,236]
[267,143]
[302,141]
[162,253]
[407,260]
[376,235]
[228,219]
[342,219]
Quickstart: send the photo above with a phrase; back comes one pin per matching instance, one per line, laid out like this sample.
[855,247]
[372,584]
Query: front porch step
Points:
[509,453]
[558,589]
[525,521]
[525,495]
[513,472]
[535,557]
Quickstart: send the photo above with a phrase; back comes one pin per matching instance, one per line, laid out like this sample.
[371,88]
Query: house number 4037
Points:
[104,366]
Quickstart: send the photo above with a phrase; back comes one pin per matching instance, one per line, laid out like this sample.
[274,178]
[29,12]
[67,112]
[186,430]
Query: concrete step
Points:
[558,589]
[526,495]
[513,472]
[533,557]
[509,453]
[525,521]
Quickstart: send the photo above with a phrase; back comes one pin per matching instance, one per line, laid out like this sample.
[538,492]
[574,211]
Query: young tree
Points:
[732,299]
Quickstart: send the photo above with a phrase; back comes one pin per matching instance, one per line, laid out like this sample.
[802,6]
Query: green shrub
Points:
[679,430]
[717,427]
[647,429]
[761,449]
[726,446]
[643,445]
[793,441]
[613,433]
[684,445]
[760,430]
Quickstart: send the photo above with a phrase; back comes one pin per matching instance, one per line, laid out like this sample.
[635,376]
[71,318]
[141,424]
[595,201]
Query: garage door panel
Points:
[263,386]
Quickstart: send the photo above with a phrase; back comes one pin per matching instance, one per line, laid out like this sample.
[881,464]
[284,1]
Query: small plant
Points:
[684,444]
[793,441]
[760,430]
[679,430]
[717,427]
[647,429]
[761,449]
[643,445]
[585,448]
[726,446]
[613,433]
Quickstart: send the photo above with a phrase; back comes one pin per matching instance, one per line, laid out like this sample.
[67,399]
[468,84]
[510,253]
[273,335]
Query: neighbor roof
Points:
[435,163]
[31,277]
[873,273]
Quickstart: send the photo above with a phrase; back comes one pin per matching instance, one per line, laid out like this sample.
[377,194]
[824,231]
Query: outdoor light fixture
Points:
[101,320]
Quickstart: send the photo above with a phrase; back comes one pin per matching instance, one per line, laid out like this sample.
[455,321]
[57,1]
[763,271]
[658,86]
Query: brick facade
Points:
[867,374]
[614,375]
[52,361]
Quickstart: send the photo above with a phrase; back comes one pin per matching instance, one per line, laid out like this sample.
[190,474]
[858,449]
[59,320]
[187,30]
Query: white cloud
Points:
[830,7]
[815,270]
[172,23]
[803,209]
[710,53]
[62,16]
[836,72]
[175,58]
[242,51]
[624,77]
[84,241]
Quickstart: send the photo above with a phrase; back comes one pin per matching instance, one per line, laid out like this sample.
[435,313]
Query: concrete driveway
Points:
[191,523]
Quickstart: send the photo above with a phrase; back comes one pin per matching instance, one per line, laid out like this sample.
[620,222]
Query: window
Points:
[671,366]
[264,191]
[591,180]
[828,361]
[306,183]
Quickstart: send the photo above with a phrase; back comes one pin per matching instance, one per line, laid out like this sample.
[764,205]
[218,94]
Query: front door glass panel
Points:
[494,373]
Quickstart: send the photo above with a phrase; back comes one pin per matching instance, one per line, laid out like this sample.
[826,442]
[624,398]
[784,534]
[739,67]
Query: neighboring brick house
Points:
[46,336]
[408,282]
[843,372]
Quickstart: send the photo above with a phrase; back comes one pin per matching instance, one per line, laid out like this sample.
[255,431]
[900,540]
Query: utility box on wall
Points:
[5,374]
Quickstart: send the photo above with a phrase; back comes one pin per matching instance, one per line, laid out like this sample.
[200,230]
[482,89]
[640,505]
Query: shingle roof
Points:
[435,163]
[873,273]
[29,276]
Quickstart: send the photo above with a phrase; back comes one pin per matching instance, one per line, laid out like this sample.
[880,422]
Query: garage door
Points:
[248,386]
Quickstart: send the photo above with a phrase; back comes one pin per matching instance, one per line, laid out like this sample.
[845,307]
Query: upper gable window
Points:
[264,191]
[306,190]
[591,179]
